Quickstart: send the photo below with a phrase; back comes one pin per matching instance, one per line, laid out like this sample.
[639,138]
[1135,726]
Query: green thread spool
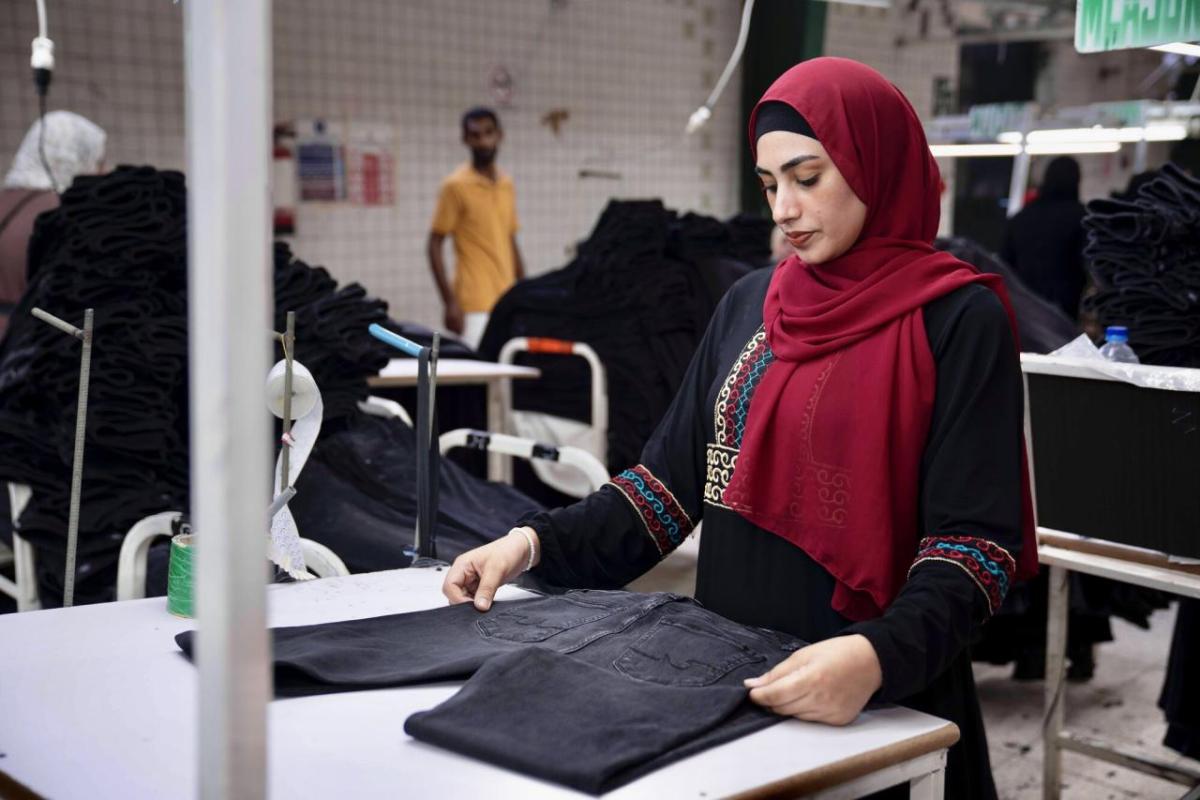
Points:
[179,576]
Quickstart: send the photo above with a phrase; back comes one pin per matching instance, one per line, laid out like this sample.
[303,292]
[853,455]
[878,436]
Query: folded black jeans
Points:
[590,689]
[554,717]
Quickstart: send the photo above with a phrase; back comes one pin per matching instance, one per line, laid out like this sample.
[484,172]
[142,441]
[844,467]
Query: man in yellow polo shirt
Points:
[477,207]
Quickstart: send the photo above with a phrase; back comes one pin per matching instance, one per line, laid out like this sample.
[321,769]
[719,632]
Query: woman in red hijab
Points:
[850,432]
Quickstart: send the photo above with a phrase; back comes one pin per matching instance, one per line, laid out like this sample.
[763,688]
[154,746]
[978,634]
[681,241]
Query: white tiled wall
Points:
[628,72]
[119,63]
[870,35]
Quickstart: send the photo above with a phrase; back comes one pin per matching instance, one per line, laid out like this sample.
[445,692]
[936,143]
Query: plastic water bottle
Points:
[1116,345]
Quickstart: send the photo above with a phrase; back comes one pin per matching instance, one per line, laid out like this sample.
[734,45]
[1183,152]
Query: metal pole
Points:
[228,90]
[1140,152]
[289,344]
[1019,184]
[85,372]
[1056,651]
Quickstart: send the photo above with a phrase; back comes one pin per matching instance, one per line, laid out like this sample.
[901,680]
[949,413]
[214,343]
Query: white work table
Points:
[97,702]
[450,371]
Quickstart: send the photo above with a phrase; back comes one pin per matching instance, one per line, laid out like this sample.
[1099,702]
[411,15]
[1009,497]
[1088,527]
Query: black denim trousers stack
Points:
[1144,256]
[590,689]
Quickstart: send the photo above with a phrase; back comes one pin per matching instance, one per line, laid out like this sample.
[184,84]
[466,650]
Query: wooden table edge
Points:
[1113,550]
[856,766]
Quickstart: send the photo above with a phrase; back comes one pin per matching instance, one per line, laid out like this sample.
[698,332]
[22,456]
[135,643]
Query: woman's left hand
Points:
[828,682]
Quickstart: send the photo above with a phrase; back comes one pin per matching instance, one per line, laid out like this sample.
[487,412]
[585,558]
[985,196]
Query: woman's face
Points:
[810,201]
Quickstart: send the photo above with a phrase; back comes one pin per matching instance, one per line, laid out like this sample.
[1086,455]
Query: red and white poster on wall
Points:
[370,164]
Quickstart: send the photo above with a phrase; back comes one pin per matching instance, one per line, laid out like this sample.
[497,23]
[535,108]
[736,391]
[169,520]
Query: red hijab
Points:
[831,456]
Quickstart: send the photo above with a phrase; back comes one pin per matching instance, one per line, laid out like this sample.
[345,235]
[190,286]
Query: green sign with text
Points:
[992,119]
[1121,24]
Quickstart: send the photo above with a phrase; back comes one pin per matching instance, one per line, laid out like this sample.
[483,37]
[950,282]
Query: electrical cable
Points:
[41,59]
[42,142]
[702,114]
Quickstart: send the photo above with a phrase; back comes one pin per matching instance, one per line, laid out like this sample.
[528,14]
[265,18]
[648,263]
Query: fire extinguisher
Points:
[283,179]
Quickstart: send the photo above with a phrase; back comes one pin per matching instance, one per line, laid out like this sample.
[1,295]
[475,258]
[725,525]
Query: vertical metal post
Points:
[1056,656]
[289,349]
[1029,449]
[228,91]
[1019,184]
[1140,152]
[1020,174]
[85,373]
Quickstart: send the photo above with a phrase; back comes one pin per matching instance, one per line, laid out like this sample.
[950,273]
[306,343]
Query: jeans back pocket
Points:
[684,653]
[533,621]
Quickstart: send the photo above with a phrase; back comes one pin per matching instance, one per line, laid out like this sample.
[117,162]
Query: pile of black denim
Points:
[118,244]
[1144,255]
[357,495]
[640,291]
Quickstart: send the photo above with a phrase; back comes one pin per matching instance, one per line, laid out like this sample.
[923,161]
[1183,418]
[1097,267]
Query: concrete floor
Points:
[1118,705]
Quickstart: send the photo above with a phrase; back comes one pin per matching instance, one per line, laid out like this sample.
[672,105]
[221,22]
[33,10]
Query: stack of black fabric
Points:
[640,291]
[118,243]
[331,325]
[357,495]
[1144,255]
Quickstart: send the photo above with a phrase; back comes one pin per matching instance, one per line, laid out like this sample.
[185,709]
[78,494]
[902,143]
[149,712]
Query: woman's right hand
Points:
[477,574]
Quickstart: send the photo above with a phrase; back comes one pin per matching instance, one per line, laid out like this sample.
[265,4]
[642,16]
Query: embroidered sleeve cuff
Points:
[660,513]
[988,564]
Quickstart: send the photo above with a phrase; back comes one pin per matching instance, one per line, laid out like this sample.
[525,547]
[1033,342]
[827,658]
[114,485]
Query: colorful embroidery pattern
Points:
[988,564]
[733,401]
[720,462]
[665,520]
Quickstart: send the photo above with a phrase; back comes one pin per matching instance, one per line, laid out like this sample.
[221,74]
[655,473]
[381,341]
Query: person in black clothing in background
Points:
[1044,241]
[849,429]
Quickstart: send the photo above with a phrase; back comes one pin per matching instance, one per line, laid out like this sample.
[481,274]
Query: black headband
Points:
[775,115]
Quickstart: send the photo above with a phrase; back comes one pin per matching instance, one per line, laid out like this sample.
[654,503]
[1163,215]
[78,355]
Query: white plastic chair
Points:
[23,587]
[594,474]
[591,437]
[131,564]
[383,407]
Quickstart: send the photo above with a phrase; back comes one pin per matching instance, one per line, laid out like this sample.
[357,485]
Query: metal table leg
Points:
[1056,652]
[928,787]
[499,466]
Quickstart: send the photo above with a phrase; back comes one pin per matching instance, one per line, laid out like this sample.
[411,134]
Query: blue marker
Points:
[395,340]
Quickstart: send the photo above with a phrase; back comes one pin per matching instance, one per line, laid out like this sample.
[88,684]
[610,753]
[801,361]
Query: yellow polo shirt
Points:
[481,215]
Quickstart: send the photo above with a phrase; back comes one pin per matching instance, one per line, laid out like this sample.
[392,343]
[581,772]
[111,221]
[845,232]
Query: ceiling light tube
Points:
[973,150]
[1060,135]
[1070,148]
[1166,132]
[1179,48]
